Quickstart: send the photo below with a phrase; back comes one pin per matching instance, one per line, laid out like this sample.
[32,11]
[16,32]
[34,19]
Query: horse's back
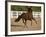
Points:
[27,16]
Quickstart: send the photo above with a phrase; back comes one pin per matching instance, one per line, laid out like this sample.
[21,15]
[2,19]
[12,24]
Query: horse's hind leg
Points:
[25,23]
[34,20]
[23,20]
[31,22]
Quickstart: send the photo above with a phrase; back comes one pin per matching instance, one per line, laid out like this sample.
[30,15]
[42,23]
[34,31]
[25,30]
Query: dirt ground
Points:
[20,26]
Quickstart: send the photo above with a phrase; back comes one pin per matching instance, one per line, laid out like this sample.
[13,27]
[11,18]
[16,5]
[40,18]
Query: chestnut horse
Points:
[26,16]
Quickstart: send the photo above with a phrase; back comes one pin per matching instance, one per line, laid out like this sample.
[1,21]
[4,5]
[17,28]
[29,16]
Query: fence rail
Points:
[17,13]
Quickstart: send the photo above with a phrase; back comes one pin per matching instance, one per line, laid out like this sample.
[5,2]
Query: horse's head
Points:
[29,10]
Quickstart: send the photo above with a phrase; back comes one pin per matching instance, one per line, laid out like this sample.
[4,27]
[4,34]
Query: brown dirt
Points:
[20,26]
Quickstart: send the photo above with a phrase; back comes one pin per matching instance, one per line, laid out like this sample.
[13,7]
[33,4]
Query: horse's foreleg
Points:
[34,20]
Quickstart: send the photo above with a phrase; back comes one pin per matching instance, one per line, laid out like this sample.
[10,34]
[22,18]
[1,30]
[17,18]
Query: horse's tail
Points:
[18,18]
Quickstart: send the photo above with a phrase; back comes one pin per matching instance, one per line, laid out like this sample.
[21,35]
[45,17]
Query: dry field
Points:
[19,26]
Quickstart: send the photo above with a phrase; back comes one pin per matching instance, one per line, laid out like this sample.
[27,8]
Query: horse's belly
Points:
[29,19]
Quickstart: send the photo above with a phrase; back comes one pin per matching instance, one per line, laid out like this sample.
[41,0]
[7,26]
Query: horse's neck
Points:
[29,12]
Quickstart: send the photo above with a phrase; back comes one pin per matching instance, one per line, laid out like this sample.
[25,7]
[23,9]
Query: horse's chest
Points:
[29,16]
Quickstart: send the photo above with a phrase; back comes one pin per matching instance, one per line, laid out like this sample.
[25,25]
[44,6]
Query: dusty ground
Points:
[19,26]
